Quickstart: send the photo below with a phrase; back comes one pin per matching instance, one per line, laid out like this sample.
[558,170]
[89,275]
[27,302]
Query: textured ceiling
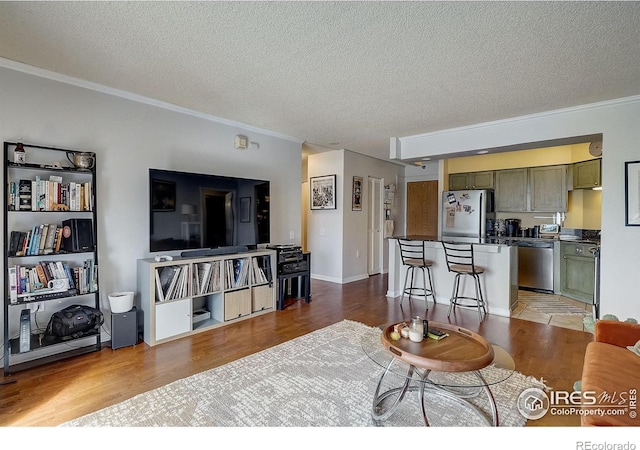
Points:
[339,74]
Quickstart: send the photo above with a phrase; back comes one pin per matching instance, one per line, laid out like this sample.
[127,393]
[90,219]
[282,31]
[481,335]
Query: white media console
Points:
[192,294]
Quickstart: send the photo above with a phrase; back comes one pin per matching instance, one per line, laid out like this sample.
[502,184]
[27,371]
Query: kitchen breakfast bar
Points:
[497,256]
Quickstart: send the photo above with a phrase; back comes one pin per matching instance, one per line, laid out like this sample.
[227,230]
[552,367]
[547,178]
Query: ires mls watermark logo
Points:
[535,403]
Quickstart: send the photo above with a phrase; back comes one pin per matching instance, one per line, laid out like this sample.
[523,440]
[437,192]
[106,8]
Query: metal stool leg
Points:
[411,284]
[476,281]
[404,288]
[481,297]
[432,289]
[454,294]
[424,283]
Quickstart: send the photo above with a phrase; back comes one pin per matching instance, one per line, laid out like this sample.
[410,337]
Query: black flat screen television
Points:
[200,211]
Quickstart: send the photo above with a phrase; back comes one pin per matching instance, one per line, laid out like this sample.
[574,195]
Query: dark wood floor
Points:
[53,394]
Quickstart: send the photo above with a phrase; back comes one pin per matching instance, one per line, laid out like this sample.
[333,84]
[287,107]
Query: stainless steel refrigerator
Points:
[464,213]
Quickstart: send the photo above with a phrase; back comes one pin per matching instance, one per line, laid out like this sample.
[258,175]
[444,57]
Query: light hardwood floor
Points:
[53,394]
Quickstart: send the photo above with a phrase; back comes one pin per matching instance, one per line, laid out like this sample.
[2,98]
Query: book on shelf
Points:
[204,275]
[169,294]
[47,195]
[259,275]
[41,275]
[24,190]
[14,195]
[166,274]
[46,267]
[69,275]
[159,291]
[181,283]
[13,284]
[35,240]
[14,243]
[58,243]
[49,245]
[44,230]
[184,282]
[196,279]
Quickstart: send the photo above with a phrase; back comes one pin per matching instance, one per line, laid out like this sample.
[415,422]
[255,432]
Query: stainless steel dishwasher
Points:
[535,265]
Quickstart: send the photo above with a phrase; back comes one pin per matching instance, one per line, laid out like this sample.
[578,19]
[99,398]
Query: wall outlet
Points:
[292,235]
[36,306]
[357,253]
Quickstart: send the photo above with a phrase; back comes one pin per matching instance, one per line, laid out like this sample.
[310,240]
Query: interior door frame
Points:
[371,185]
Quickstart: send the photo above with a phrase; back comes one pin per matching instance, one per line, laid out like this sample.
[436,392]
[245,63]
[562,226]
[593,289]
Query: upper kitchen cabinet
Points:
[586,174]
[511,190]
[534,189]
[471,180]
[458,181]
[548,189]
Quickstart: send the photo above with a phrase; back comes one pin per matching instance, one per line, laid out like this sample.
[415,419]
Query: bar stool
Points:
[460,260]
[413,257]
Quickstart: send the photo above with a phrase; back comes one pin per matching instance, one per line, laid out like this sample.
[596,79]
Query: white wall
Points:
[325,227]
[356,222]
[335,237]
[618,122]
[129,137]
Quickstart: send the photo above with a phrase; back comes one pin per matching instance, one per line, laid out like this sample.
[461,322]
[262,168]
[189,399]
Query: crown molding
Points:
[66,79]
[555,112]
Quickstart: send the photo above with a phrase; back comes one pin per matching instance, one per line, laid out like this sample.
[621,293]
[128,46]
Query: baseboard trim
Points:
[339,280]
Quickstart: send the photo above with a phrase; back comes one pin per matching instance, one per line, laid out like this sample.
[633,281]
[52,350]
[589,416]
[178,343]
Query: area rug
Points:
[550,304]
[321,379]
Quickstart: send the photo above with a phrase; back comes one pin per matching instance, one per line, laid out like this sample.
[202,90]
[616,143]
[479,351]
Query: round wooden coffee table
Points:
[449,367]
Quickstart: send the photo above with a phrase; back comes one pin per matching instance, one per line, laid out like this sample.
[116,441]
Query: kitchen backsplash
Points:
[591,235]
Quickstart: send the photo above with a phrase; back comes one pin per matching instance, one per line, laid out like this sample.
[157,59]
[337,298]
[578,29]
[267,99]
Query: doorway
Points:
[422,208]
[374,227]
[217,228]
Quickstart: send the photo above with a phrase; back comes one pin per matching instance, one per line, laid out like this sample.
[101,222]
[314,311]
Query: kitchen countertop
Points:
[501,241]
[498,240]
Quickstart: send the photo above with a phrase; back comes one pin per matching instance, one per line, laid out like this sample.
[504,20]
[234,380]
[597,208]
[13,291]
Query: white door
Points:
[374,255]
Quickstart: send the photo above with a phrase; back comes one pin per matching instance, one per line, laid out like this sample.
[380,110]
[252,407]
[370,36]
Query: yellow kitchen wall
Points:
[585,209]
[564,154]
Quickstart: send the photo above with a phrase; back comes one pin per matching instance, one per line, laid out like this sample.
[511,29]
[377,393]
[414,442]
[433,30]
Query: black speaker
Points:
[77,235]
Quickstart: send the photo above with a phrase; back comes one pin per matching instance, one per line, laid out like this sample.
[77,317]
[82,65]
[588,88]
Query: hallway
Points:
[551,309]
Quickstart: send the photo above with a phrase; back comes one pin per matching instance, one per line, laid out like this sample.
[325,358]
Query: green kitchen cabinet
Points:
[512,190]
[533,189]
[586,174]
[548,189]
[458,181]
[471,180]
[577,271]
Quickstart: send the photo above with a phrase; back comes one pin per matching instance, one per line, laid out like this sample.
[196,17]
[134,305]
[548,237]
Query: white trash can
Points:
[121,302]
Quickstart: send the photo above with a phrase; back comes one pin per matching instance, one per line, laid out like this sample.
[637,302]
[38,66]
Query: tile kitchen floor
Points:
[563,312]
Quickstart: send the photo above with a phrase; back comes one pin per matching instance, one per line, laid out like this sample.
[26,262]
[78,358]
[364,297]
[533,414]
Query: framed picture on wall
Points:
[163,195]
[632,193]
[323,192]
[356,202]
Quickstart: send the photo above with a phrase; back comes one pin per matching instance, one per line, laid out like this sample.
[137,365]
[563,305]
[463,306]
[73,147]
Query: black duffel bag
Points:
[75,321]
